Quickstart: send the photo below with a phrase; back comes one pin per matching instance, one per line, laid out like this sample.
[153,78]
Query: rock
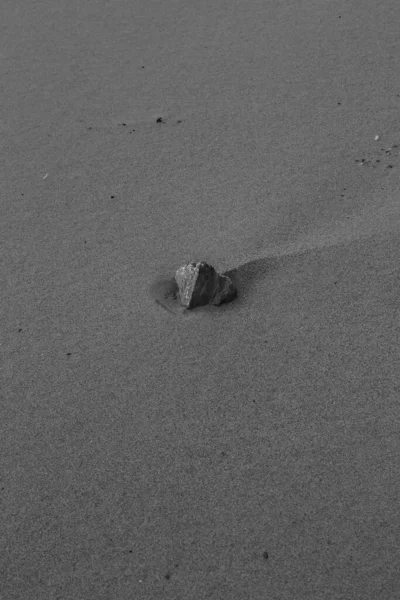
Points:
[200,284]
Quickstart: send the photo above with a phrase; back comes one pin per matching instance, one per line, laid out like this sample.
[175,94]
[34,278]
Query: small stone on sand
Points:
[200,284]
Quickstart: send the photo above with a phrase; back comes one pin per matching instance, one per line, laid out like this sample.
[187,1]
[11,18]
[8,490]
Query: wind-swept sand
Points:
[249,451]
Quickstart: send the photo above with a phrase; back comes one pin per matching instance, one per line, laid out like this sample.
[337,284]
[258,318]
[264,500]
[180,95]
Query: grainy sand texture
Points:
[243,452]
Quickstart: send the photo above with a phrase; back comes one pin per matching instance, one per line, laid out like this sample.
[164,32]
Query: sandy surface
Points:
[249,451]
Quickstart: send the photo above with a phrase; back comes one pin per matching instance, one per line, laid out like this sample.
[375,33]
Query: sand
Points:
[243,451]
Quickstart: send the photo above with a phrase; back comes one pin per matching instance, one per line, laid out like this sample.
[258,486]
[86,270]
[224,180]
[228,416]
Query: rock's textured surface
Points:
[200,284]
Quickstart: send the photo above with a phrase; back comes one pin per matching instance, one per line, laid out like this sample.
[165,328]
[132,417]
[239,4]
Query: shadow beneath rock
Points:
[165,292]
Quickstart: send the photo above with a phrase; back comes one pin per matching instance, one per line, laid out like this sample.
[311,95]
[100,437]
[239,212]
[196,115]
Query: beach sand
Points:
[247,451]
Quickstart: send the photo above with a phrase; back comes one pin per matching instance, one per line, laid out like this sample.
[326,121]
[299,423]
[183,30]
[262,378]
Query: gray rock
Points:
[200,284]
